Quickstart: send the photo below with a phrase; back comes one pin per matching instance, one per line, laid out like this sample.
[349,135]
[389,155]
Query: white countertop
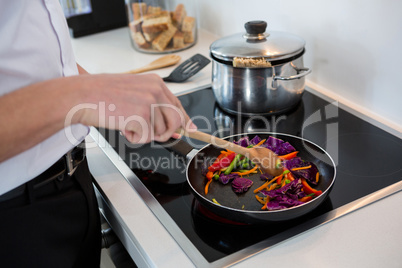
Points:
[368,237]
[112,52]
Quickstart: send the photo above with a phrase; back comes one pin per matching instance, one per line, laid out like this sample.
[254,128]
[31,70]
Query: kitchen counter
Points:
[112,52]
[368,237]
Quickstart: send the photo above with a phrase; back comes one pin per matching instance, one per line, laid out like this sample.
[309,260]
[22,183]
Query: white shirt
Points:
[34,46]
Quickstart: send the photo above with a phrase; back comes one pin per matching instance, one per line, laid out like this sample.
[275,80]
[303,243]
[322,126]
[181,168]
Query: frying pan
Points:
[244,208]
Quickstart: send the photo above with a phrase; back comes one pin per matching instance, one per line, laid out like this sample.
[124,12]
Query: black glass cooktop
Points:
[368,159]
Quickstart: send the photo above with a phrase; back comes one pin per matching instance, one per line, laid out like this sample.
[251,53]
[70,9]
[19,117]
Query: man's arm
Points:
[140,106]
[81,70]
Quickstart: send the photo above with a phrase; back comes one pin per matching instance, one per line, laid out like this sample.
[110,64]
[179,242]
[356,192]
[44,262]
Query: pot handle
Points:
[305,71]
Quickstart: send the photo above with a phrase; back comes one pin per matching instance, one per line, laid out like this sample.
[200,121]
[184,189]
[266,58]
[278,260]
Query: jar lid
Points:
[256,43]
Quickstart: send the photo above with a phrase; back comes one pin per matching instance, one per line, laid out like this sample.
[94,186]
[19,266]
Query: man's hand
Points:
[140,106]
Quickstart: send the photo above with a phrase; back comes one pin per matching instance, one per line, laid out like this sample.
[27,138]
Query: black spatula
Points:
[187,69]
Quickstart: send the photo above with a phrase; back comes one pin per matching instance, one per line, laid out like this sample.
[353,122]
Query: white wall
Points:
[353,47]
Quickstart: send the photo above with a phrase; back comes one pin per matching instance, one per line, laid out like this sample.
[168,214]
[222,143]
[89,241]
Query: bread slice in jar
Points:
[163,39]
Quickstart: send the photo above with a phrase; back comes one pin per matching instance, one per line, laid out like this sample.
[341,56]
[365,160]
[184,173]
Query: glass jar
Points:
[161,26]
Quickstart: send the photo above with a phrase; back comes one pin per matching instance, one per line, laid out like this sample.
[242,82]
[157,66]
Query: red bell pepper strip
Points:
[288,156]
[290,177]
[222,163]
[308,189]
[279,178]
[223,154]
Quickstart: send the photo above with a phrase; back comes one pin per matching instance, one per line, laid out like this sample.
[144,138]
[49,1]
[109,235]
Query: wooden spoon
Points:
[161,62]
[263,157]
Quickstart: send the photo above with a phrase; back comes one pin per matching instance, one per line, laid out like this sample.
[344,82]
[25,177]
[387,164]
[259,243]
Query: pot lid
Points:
[256,43]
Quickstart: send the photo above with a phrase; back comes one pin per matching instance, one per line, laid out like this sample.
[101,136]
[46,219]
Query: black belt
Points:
[64,167]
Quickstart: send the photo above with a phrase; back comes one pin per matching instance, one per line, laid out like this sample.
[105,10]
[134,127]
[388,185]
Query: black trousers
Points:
[56,225]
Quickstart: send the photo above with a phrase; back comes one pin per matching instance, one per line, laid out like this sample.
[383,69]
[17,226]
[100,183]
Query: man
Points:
[48,212]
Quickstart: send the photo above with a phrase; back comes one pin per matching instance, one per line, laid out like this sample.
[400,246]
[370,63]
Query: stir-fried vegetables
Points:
[241,185]
[291,188]
[223,161]
[302,169]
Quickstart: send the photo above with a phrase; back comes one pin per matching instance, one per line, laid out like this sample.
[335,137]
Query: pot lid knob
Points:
[255,27]
[255,30]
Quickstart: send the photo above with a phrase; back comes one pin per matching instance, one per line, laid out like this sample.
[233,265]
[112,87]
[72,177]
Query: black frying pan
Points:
[244,207]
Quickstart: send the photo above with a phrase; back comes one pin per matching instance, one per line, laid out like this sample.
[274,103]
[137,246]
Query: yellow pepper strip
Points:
[299,168]
[216,202]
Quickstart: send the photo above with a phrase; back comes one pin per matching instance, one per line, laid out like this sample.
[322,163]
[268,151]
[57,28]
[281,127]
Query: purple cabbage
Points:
[286,196]
[292,189]
[308,174]
[278,146]
[255,140]
[282,203]
[241,185]
[244,141]
[225,179]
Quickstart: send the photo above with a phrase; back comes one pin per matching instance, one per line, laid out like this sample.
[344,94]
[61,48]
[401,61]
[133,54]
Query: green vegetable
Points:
[233,164]
[278,164]
[243,164]
[216,177]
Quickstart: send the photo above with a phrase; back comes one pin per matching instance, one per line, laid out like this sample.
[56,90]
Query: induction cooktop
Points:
[354,144]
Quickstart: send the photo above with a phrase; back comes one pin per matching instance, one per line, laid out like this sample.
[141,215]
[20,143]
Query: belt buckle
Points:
[73,158]
[70,164]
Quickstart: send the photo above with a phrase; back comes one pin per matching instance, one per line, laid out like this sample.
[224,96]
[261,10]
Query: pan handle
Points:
[179,148]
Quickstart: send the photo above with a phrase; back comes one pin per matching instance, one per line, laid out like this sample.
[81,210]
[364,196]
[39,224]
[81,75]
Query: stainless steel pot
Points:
[258,90]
